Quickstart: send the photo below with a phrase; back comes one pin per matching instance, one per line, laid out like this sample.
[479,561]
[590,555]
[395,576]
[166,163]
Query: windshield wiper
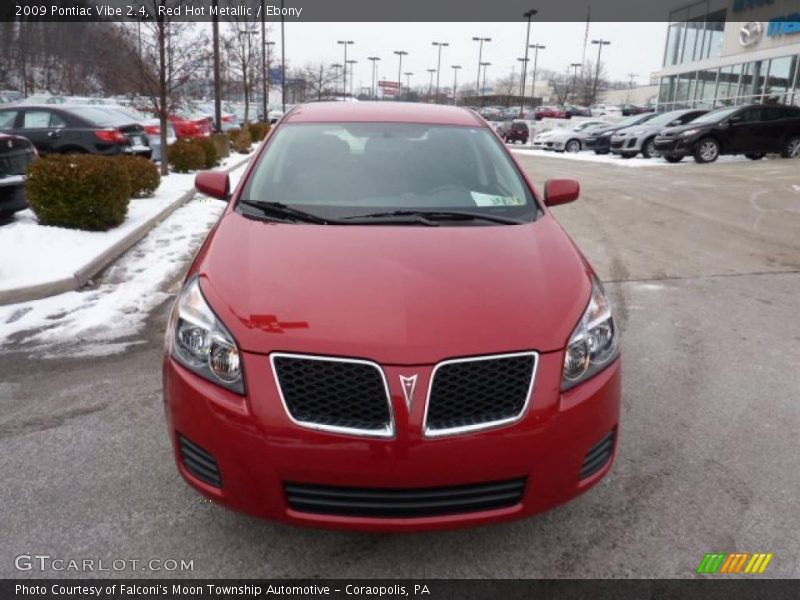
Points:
[280,210]
[439,215]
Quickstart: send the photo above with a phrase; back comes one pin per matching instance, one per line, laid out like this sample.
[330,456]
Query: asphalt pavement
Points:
[703,265]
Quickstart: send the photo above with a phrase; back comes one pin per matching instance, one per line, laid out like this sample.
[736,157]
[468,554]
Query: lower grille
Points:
[199,462]
[598,455]
[334,394]
[468,394]
[393,502]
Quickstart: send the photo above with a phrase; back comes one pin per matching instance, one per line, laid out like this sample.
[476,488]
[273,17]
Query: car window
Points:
[36,119]
[751,115]
[774,113]
[7,118]
[346,168]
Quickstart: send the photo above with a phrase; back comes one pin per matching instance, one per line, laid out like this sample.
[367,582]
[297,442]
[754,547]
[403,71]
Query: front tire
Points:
[706,151]
[649,148]
[792,148]
[573,146]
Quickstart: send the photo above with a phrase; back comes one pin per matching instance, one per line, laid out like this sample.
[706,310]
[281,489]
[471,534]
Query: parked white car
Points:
[606,110]
[566,139]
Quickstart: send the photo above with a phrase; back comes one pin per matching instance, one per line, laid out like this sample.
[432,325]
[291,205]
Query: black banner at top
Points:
[375,10]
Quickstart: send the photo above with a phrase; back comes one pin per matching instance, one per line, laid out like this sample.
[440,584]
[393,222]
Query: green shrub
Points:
[87,191]
[258,130]
[142,174]
[222,144]
[211,157]
[241,140]
[185,156]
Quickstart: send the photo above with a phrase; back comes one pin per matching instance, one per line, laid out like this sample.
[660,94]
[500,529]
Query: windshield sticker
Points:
[492,200]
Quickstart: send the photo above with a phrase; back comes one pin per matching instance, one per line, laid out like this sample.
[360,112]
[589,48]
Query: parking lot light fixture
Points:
[351,62]
[408,75]
[524,62]
[430,87]
[345,43]
[374,60]
[536,48]
[400,55]
[575,66]
[600,43]
[439,65]
[480,58]
[528,15]
[455,83]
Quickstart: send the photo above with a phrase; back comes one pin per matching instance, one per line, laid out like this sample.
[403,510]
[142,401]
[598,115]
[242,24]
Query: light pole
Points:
[480,57]
[484,65]
[265,87]
[336,67]
[430,87]
[575,66]
[529,15]
[632,78]
[351,62]
[455,84]
[408,75]
[536,48]
[344,43]
[374,60]
[524,62]
[217,87]
[600,43]
[283,62]
[400,55]
[439,65]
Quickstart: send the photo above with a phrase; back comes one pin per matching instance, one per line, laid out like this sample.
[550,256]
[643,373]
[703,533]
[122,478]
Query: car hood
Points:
[395,294]
[669,131]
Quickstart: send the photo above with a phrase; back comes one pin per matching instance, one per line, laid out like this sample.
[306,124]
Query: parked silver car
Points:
[630,141]
[566,139]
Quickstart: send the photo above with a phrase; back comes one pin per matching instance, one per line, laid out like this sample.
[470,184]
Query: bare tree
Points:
[505,86]
[240,45]
[320,80]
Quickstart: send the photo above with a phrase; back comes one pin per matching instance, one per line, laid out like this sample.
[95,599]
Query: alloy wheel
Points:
[573,146]
[793,148]
[709,150]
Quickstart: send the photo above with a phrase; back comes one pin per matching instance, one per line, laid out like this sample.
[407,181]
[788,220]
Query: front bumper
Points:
[673,146]
[624,145]
[258,449]
[598,144]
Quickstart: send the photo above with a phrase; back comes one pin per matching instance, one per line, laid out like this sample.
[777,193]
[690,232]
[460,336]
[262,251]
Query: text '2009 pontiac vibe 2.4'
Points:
[387,329]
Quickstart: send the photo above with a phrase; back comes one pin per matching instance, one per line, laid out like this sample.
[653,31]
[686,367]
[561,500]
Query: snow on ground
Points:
[100,321]
[32,254]
[613,159]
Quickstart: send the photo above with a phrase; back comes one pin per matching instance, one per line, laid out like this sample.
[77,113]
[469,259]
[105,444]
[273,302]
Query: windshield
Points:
[666,118]
[716,116]
[103,116]
[635,120]
[348,169]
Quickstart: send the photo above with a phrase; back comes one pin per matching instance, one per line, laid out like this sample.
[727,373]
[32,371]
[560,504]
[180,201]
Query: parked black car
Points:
[753,130]
[600,139]
[16,153]
[75,129]
[577,111]
[633,109]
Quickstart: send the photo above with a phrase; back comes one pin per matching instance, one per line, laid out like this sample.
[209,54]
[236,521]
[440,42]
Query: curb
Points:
[99,263]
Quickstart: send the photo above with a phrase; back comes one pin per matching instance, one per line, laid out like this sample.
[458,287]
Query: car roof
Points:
[382,112]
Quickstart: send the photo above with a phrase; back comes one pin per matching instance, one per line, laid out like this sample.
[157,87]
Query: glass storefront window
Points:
[706,88]
[779,81]
[674,43]
[666,90]
[715,26]
[728,84]
[693,41]
[684,92]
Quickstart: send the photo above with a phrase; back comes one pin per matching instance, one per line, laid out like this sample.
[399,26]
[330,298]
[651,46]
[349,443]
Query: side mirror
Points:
[735,119]
[216,184]
[561,191]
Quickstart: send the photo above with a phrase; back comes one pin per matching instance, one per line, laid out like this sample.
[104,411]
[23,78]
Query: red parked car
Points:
[188,126]
[387,329]
[550,112]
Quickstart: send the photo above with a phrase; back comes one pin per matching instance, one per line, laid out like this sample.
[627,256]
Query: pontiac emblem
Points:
[408,383]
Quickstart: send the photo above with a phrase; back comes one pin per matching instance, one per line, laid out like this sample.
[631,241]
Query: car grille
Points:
[598,455]
[617,145]
[403,502]
[334,394]
[199,462]
[476,393]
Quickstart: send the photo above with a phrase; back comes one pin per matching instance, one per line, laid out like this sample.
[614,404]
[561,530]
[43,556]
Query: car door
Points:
[743,132]
[8,119]
[773,128]
[41,127]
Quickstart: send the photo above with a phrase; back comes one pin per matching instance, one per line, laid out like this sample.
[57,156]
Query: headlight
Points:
[640,132]
[689,132]
[607,134]
[593,344]
[199,341]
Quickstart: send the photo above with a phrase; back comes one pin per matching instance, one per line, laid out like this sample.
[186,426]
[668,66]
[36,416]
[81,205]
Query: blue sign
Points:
[788,25]
[275,75]
[740,5]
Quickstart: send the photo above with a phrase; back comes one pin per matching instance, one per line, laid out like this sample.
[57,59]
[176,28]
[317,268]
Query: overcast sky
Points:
[635,47]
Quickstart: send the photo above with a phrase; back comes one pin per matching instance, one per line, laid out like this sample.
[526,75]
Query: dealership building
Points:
[727,52]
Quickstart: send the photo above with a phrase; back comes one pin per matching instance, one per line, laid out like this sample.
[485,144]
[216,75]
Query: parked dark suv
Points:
[75,129]
[516,131]
[753,130]
[16,153]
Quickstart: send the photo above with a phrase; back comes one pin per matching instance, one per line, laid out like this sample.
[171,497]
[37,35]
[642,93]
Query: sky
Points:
[635,47]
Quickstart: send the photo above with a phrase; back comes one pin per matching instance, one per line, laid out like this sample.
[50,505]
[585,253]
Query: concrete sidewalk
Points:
[107,256]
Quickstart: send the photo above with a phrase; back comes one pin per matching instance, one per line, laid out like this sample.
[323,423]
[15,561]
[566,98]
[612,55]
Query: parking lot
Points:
[703,264]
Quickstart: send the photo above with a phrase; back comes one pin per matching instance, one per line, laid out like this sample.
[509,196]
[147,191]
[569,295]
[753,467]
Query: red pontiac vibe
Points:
[388,330]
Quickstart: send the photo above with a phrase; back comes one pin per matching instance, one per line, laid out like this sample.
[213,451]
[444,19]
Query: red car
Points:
[550,112]
[188,126]
[388,330]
